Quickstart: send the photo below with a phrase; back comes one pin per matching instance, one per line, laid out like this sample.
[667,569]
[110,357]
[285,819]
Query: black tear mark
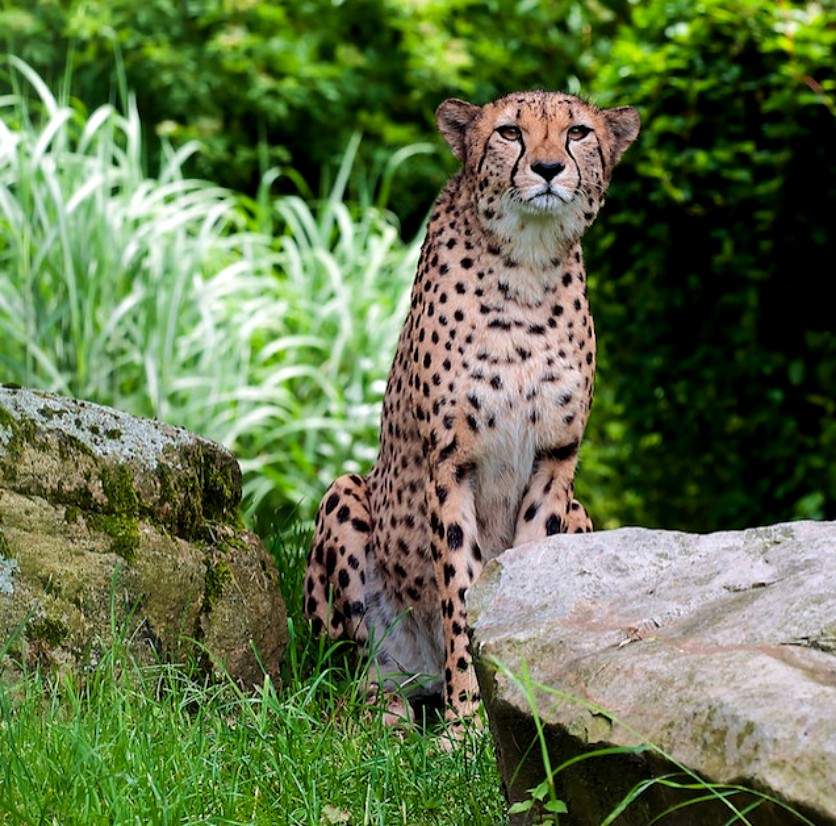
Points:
[517,162]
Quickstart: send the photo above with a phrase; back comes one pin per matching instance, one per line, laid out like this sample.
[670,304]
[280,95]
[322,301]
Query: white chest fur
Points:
[537,403]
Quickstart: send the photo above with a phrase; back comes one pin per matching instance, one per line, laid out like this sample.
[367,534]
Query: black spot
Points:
[559,454]
[441,493]
[343,513]
[531,511]
[343,578]
[360,525]
[461,664]
[447,451]
[567,279]
[496,382]
[332,502]
[449,573]
[553,525]
[467,263]
[455,536]
[463,470]
[353,562]
[536,329]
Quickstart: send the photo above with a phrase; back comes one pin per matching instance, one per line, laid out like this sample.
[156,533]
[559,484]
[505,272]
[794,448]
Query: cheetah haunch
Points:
[488,395]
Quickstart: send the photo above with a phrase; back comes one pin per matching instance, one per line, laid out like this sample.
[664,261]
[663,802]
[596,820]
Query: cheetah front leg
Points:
[336,574]
[457,562]
[549,506]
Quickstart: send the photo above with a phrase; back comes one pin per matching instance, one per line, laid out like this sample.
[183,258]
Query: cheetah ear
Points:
[454,117]
[623,123]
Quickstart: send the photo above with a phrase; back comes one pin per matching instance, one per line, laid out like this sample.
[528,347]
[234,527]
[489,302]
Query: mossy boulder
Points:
[719,649]
[110,521]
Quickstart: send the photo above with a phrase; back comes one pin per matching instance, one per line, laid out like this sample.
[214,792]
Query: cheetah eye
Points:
[577,133]
[510,133]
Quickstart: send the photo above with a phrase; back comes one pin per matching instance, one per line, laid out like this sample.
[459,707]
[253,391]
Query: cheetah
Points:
[487,398]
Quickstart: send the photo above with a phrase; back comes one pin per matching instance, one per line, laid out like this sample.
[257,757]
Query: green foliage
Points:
[709,269]
[265,324]
[260,83]
[716,399]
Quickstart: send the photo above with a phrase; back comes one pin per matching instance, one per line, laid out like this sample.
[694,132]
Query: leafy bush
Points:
[709,268]
[261,83]
[715,403]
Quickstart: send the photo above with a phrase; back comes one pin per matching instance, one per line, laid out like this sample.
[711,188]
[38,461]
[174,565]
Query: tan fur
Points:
[488,395]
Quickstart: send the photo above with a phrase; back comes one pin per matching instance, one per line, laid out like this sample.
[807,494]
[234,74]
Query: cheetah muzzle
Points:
[487,398]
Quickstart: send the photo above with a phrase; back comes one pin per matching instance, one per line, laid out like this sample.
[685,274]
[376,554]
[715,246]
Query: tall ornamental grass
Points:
[267,324]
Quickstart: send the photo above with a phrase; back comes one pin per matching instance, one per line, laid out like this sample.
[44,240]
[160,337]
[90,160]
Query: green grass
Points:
[138,744]
[691,790]
[150,745]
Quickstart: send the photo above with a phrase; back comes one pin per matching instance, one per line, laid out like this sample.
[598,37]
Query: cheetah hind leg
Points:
[336,575]
[577,519]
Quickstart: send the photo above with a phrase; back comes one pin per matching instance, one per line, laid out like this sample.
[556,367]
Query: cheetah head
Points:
[542,158]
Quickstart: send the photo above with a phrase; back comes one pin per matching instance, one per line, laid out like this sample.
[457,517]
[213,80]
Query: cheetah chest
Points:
[526,396]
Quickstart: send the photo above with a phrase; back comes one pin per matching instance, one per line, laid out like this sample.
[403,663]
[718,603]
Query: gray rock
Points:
[718,649]
[102,512]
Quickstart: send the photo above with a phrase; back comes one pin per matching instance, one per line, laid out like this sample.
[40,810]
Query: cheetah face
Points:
[538,156]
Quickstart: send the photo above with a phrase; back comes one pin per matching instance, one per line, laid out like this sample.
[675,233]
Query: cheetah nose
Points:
[548,170]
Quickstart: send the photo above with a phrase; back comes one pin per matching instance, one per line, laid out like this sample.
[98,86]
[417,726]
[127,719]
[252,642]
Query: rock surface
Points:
[720,649]
[101,512]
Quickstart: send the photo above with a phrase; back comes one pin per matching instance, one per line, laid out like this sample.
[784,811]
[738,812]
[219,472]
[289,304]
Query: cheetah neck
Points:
[538,243]
[530,249]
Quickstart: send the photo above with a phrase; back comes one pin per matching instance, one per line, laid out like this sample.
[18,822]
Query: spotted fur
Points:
[488,395]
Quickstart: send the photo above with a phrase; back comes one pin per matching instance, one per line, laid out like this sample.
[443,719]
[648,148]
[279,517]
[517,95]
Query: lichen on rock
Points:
[102,512]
